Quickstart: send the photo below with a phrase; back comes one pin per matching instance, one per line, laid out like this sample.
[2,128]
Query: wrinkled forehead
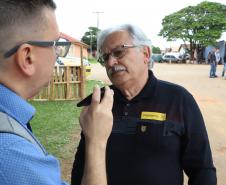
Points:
[116,39]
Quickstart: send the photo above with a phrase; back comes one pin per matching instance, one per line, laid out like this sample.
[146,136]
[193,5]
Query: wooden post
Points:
[68,76]
[50,91]
[83,76]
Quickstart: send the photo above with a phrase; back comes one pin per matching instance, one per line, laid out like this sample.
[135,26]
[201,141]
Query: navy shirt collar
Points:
[15,106]
[146,92]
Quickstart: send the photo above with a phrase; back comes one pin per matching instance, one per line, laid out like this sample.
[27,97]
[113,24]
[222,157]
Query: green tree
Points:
[90,38]
[199,25]
[156,50]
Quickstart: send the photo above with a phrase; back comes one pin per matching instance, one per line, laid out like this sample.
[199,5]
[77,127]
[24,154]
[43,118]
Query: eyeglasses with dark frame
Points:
[61,48]
[116,53]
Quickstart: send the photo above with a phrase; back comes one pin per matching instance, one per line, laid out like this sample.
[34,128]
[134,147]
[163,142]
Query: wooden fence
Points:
[67,83]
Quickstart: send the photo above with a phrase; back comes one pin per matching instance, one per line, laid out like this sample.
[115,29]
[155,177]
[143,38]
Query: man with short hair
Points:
[158,130]
[213,64]
[28,50]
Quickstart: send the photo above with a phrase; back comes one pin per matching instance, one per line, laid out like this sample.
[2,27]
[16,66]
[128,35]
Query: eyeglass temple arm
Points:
[11,52]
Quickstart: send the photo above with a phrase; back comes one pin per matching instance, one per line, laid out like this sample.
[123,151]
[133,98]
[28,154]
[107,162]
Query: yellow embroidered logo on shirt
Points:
[153,116]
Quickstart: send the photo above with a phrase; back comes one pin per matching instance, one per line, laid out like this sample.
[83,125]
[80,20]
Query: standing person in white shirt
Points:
[218,57]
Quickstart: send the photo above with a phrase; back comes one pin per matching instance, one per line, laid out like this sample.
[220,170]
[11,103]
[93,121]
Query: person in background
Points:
[213,64]
[218,59]
[208,57]
[224,67]
[158,130]
[28,50]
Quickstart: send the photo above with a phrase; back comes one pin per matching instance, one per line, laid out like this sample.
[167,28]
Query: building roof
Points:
[185,46]
[73,40]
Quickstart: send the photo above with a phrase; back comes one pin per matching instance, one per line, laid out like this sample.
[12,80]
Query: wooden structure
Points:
[68,82]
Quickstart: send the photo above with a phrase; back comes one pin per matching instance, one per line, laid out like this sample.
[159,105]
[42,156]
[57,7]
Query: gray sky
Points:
[75,16]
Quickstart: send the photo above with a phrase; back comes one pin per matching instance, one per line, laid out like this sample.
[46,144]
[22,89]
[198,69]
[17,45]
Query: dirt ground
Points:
[210,93]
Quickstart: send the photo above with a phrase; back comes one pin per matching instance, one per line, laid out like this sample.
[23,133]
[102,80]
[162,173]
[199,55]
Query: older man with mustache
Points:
[158,130]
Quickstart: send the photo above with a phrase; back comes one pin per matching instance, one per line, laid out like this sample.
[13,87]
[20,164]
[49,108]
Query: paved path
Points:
[209,93]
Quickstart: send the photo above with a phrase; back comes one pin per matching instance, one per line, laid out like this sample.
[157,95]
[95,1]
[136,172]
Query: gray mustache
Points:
[116,68]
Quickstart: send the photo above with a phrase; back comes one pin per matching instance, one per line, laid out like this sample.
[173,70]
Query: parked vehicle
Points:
[58,62]
[156,57]
[172,57]
[186,56]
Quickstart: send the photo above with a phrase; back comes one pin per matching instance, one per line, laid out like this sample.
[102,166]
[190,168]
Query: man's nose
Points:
[111,61]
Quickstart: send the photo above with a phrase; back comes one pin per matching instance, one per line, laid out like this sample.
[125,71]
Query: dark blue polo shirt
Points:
[156,136]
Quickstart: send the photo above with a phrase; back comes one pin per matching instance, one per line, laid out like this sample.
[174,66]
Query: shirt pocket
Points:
[158,136]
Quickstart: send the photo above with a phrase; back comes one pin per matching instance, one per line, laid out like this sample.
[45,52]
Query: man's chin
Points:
[117,79]
[118,73]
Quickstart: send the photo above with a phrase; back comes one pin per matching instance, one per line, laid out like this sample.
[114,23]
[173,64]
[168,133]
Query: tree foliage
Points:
[90,38]
[156,50]
[199,25]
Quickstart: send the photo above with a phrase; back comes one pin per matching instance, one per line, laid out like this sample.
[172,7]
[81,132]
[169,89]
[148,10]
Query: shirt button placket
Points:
[126,112]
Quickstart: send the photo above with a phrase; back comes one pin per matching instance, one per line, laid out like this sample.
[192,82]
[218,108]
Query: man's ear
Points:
[25,59]
[147,54]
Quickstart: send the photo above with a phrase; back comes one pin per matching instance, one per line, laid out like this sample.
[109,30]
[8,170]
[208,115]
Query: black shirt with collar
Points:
[155,136]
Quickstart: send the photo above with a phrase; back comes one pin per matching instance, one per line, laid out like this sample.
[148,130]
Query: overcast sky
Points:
[75,16]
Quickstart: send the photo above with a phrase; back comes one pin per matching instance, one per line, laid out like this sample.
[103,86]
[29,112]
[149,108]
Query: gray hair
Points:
[138,36]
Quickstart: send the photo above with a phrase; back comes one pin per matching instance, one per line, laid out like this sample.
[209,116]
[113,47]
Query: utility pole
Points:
[98,13]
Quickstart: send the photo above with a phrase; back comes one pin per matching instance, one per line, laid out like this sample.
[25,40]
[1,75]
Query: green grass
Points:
[92,60]
[56,121]
[90,84]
